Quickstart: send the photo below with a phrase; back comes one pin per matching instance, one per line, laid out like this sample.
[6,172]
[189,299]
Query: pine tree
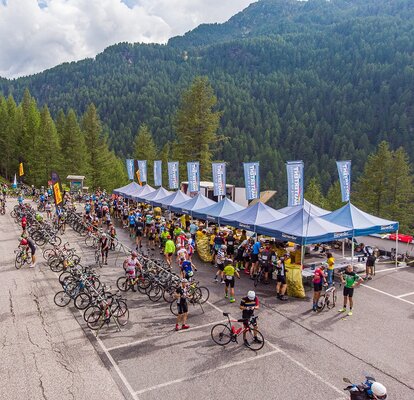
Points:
[196,125]
[47,149]
[372,187]
[75,157]
[145,149]
[8,159]
[98,154]
[334,197]
[314,194]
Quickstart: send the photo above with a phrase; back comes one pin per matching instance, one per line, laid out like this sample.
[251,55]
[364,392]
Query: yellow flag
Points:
[21,170]
[139,178]
[58,195]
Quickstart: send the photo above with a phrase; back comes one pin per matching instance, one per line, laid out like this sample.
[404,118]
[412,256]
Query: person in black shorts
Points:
[181,295]
[230,245]
[281,279]
[104,245]
[139,231]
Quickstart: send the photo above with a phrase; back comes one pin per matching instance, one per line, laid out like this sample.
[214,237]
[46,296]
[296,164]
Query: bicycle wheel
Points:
[89,310]
[18,263]
[143,284]
[121,313]
[168,295]
[95,319]
[155,293]
[205,294]
[122,283]
[255,340]
[321,303]
[173,308]
[64,276]
[221,334]
[331,303]
[62,299]
[82,300]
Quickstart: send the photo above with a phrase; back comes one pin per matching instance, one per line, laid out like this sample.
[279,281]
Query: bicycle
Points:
[196,295]
[223,334]
[327,299]
[23,256]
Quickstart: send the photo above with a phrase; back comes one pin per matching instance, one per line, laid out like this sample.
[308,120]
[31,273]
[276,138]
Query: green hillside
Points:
[316,80]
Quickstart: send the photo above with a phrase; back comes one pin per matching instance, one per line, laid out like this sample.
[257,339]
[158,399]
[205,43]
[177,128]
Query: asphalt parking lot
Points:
[306,355]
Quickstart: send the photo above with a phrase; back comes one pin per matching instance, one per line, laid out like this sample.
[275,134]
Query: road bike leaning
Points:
[223,334]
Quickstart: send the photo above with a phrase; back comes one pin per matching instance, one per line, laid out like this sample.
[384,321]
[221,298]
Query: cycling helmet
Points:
[379,391]
[134,254]
[184,280]
[251,294]
[23,242]
[104,235]
[223,246]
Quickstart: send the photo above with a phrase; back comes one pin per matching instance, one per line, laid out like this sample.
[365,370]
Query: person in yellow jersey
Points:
[229,273]
[331,266]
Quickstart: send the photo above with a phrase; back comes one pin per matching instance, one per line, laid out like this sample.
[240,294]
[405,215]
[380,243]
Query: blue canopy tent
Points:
[304,228]
[152,196]
[252,216]
[173,199]
[195,203]
[217,211]
[309,207]
[132,186]
[362,223]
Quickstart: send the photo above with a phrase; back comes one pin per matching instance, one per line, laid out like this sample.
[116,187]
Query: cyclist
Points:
[104,246]
[318,279]
[265,262]
[48,209]
[187,269]
[330,260]
[255,258]
[169,250]
[229,272]
[112,234]
[181,295]
[131,265]
[131,222]
[248,304]
[28,243]
[220,256]
[350,279]
[281,279]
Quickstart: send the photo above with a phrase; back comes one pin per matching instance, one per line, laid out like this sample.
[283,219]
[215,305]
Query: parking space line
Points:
[209,371]
[298,363]
[387,294]
[406,294]
[202,326]
[121,346]
[118,370]
[393,269]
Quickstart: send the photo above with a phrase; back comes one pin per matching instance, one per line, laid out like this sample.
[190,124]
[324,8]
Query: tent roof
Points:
[361,222]
[153,195]
[218,210]
[127,188]
[314,210]
[252,216]
[174,198]
[303,228]
[195,203]
[142,190]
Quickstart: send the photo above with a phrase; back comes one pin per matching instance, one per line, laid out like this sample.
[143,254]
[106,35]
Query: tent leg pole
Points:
[396,249]
[352,251]
[302,255]
[343,249]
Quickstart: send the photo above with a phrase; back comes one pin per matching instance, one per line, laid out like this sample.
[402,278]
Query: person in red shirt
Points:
[319,278]
[24,223]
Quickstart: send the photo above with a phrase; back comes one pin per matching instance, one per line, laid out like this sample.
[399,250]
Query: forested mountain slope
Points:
[316,80]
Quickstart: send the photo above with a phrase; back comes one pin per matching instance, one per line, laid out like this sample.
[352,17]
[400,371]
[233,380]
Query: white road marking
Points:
[388,294]
[406,294]
[209,371]
[393,269]
[117,369]
[298,363]
[201,326]
[214,306]
[130,344]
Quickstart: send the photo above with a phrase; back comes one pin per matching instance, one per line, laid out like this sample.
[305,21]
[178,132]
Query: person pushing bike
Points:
[248,304]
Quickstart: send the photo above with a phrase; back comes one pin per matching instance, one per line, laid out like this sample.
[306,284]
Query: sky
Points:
[38,34]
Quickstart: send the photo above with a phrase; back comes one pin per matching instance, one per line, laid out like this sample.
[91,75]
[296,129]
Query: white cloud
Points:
[35,35]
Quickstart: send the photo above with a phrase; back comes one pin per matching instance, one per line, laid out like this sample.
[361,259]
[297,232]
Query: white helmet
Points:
[251,294]
[379,391]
